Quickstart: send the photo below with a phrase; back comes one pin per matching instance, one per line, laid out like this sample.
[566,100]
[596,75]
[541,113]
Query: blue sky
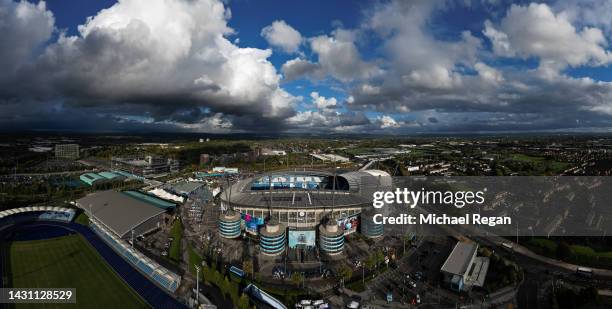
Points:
[395,67]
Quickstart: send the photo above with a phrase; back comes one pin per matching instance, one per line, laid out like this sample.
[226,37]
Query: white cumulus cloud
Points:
[281,35]
[322,102]
[536,31]
[387,122]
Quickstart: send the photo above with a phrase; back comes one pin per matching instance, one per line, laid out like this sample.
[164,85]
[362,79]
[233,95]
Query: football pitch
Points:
[69,262]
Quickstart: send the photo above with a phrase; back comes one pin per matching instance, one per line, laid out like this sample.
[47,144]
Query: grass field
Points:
[174,253]
[69,261]
[542,166]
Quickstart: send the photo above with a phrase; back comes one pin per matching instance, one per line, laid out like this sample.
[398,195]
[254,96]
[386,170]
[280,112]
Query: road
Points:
[519,249]
[49,174]
[495,241]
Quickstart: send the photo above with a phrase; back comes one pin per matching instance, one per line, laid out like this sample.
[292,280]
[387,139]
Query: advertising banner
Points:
[349,224]
[302,238]
[251,223]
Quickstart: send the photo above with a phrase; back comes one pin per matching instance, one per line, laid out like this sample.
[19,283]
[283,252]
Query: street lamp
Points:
[363,273]
[197,267]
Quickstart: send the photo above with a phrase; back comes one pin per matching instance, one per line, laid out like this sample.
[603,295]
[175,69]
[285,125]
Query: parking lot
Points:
[415,281]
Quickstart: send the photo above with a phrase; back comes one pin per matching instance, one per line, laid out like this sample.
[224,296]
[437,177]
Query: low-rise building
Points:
[147,166]
[92,179]
[463,269]
[67,151]
[330,157]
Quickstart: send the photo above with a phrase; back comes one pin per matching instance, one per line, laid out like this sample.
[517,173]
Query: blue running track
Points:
[151,293]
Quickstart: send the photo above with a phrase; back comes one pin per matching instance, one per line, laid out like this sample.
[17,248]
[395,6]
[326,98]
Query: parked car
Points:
[305,302]
[318,302]
[411,284]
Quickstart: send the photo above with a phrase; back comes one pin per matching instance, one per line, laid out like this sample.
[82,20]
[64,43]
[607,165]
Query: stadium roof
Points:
[117,211]
[109,175]
[185,187]
[459,260]
[165,205]
[91,178]
[361,185]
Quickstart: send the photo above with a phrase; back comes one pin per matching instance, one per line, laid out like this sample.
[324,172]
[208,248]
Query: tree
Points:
[247,266]
[486,252]
[226,286]
[297,278]
[407,242]
[243,302]
[370,262]
[588,295]
[379,256]
[345,272]
[563,251]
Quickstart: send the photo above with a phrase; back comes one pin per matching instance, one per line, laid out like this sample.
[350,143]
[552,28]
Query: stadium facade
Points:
[302,202]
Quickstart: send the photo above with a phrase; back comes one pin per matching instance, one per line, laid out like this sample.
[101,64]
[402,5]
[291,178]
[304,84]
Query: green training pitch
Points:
[69,262]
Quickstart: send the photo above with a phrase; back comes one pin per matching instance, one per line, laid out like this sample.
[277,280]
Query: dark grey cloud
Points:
[302,68]
[126,55]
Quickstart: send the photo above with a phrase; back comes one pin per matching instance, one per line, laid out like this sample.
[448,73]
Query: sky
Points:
[321,67]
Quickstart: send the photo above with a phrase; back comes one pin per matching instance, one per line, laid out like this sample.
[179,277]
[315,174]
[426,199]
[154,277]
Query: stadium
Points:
[301,201]
[47,245]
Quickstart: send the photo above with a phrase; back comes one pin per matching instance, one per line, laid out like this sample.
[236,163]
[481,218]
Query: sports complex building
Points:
[92,179]
[145,276]
[126,213]
[119,216]
[310,207]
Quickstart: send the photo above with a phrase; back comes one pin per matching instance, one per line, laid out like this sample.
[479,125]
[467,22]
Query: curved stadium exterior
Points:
[302,199]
